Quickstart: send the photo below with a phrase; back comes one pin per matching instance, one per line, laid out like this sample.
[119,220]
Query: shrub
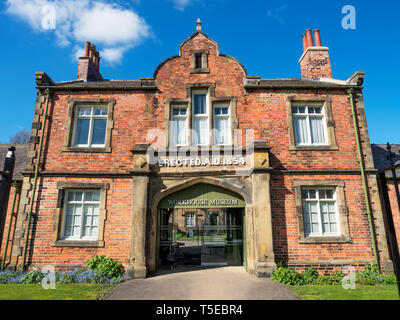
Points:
[68,277]
[7,276]
[32,277]
[310,275]
[389,279]
[333,279]
[105,267]
[369,276]
[288,276]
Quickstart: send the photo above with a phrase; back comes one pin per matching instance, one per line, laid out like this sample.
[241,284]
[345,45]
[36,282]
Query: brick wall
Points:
[395,208]
[7,220]
[116,231]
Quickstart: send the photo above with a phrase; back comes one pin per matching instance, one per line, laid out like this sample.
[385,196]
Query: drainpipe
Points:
[12,215]
[364,180]
[48,93]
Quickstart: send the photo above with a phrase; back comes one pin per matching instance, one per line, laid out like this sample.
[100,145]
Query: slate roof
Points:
[150,83]
[379,153]
[79,84]
[296,82]
[20,158]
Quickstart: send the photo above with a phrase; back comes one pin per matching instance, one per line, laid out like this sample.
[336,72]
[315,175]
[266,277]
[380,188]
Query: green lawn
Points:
[75,291]
[362,292]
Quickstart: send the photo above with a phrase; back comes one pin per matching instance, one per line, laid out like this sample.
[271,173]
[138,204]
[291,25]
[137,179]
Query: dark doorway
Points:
[207,237]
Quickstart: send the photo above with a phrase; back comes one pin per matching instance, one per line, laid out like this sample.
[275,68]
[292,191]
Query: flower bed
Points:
[369,276]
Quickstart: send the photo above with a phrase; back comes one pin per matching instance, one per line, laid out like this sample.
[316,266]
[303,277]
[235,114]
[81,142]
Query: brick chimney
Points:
[89,64]
[314,63]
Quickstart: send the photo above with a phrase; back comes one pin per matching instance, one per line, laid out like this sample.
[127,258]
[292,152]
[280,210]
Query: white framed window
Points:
[90,126]
[222,126]
[190,219]
[179,126]
[200,132]
[81,215]
[320,212]
[309,125]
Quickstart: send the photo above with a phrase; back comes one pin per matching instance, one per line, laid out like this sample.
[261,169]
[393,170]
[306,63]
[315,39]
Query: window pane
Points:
[178,132]
[78,196]
[70,196]
[300,130]
[200,134]
[221,131]
[326,228]
[100,111]
[88,196]
[312,194]
[198,61]
[329,194]
[200,104]
[84,111]
[317,130]
[99,131]
[179,112]
[96,195]
[82,131]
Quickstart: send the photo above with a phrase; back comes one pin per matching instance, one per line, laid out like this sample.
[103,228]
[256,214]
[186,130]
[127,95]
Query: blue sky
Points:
[133,37]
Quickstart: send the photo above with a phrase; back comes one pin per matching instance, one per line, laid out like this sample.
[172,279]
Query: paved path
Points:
[227,283]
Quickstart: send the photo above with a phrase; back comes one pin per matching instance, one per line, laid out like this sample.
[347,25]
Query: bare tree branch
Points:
[21,137]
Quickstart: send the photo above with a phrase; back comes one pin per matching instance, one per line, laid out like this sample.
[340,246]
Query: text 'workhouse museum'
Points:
[201,164]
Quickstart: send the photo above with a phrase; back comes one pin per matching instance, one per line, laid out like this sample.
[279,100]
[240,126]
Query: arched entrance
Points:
[204,225]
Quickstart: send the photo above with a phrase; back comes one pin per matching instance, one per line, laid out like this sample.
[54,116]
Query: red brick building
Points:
[201,164]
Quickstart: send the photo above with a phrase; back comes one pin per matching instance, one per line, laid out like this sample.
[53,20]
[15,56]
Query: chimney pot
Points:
[304,42]
[87,46]
[317,38]
[310,42]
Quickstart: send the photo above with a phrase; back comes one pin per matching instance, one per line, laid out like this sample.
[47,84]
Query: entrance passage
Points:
[192,232]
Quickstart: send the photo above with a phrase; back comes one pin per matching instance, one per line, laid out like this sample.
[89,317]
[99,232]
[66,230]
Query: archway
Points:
[202,224]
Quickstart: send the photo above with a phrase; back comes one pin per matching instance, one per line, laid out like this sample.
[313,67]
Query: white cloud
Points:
[180,4]
[114,54]
[276,13]
[109,26]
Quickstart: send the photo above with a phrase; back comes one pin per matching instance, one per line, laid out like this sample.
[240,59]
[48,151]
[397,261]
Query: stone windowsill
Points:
[314,148]
[78,243]
[200,70]
[324,240]
[84,149]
